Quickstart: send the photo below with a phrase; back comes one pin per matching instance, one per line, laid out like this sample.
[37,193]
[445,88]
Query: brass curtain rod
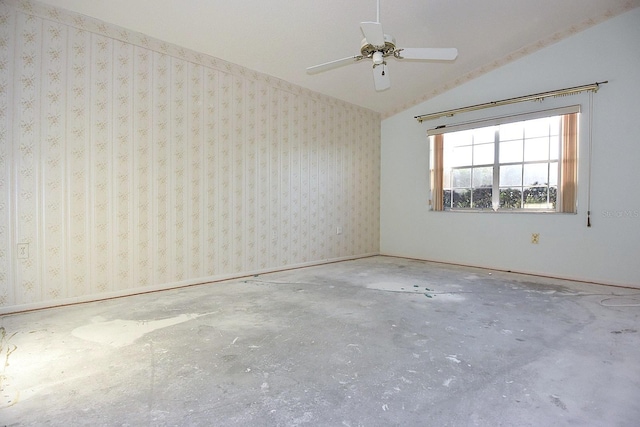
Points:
[535,97]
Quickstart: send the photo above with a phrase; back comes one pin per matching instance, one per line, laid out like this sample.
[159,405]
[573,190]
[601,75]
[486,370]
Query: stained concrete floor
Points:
[373,342]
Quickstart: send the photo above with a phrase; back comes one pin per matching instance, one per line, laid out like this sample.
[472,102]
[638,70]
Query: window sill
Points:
[508,211]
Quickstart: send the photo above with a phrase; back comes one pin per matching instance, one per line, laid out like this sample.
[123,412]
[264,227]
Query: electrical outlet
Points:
[535,238]
[23,251]
[338,230]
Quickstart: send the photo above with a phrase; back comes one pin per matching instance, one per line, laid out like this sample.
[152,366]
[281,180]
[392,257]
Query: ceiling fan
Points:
[378,46]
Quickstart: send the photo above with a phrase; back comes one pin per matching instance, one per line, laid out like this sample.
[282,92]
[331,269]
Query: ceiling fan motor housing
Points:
[367,49]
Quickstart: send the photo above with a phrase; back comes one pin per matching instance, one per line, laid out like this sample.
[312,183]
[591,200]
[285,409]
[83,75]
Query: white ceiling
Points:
[283,37]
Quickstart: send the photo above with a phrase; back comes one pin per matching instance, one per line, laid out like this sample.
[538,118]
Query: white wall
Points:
[608,251]
[128,165]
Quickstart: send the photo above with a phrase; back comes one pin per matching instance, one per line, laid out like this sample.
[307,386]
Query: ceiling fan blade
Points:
[333,64]
[373,33]
[381,78]
[428,53]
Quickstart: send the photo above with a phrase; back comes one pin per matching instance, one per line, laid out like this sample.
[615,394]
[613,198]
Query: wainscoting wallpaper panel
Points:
[128,164]
[8,255]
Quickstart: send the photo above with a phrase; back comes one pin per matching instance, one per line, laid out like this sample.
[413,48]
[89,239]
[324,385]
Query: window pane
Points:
[511,131]
[462,198]
[553,195]
[536,197]
[553,174]
[487,134]
[447,199]
[446,182]
[554,146]
[511,152]
[482,198]
[511,176]
[483,154]
[463,137]
[461,156]
[554,125]
[536,128]
[482,177]
[461,177]
[510,198]
[536,174]
[536,149]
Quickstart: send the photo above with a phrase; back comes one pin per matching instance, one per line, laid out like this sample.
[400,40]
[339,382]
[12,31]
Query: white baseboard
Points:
[166,286]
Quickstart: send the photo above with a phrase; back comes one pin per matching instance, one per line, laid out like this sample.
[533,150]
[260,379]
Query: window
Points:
[518,163]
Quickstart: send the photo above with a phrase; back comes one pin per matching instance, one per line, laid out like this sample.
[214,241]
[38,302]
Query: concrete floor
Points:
[372,342]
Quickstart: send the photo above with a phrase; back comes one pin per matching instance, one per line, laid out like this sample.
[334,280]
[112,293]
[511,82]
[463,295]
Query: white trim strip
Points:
[503,119]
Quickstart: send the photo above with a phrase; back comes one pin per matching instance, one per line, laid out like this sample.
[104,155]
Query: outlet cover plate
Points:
[23,251]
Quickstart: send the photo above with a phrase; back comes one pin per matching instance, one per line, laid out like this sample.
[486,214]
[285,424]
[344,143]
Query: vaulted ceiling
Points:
[282,38]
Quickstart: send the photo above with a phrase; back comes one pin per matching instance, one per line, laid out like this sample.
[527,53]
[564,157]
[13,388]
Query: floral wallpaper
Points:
[130,164]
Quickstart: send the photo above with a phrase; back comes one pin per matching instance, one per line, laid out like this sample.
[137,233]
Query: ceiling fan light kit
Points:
[378,58]
[377,46]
